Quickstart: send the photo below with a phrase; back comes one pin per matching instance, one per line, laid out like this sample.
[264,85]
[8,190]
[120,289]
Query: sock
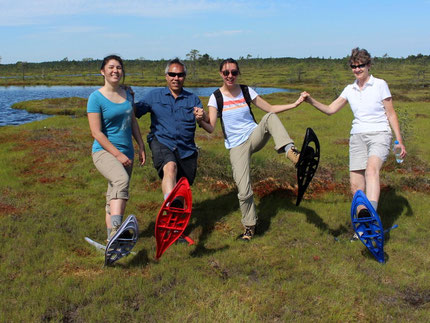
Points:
[166,195]
[287,147]
[116,220]
[109,230]
[374,204]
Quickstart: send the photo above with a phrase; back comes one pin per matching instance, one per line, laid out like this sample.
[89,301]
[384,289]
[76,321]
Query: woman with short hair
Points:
[370,138]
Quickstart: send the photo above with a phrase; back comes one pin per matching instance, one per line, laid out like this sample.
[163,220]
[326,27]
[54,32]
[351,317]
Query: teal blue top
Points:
[116,121]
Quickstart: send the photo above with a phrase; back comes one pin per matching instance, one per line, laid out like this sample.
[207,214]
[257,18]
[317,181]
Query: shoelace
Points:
[248,232]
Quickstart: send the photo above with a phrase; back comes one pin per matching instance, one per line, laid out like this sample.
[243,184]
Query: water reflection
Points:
[13,94]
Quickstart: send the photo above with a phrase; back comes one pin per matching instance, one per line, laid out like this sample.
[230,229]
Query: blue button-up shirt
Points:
[172,120]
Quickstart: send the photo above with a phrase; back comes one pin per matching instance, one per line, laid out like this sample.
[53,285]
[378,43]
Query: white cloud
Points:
[118,36]
[77,29]
[222,33]
[30,12]
[34,12]
[166,8]
[63,31]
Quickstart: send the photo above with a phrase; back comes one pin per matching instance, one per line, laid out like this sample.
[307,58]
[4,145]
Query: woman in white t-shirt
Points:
[370,141]
[243,136]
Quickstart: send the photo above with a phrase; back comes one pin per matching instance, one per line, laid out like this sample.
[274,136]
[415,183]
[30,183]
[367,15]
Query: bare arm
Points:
[208,122]
[135,128]
[334,107]
[266,106]
[394,123]
[138,137]
[94,120]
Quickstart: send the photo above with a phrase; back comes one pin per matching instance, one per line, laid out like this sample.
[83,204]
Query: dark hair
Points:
[231,61]
[117,58]
[175,61]
[360,55]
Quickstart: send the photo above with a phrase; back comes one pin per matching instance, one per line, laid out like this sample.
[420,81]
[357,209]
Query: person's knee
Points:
[170,169]
[271,117]
[372,172]
[248,197]
[120,184]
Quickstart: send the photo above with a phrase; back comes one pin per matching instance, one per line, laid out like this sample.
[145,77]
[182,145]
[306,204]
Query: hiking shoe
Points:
[113,232]
[182,239]
[354,238]
[126,235]
[364,213]
[293,154]
[177,203]
[360,231]
[249,232]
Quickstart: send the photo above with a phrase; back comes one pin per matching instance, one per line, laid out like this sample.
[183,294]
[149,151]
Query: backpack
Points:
[220,103]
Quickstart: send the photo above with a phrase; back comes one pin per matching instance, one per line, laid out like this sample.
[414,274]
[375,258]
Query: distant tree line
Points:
[200,64]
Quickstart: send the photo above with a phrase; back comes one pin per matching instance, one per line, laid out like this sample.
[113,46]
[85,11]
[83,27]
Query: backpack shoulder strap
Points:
[219,102]
[248,100]
[246,95]
[220,107]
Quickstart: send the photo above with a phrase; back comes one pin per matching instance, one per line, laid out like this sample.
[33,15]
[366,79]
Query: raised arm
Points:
[266,106]
[394,123]
[334,107]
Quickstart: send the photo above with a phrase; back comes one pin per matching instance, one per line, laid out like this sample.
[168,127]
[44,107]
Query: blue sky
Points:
[46,30]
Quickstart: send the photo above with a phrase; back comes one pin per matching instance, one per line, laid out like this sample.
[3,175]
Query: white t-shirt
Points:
[237,119]
[367,106]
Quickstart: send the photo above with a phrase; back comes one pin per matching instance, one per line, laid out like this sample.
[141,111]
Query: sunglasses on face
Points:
[171,74]
[359,66]
[233,72]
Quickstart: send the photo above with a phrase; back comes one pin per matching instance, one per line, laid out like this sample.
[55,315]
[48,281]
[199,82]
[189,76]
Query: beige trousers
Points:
[240,158]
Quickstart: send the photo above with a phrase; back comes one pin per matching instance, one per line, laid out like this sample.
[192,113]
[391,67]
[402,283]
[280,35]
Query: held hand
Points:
[198,113]
[306,96]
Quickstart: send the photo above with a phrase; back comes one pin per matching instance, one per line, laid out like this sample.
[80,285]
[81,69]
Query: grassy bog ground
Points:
[301,265]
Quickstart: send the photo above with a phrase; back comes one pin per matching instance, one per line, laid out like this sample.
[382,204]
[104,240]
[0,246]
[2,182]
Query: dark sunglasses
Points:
[233,72]
[171,74]
[359,66]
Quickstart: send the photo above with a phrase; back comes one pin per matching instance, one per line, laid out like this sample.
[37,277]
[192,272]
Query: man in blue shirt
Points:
[174,112]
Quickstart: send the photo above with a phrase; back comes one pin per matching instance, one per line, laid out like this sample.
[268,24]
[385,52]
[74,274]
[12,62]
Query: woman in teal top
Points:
[113,123]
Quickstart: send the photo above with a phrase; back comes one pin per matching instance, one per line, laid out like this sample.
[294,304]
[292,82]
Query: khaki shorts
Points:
[117,175]
[364,145]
